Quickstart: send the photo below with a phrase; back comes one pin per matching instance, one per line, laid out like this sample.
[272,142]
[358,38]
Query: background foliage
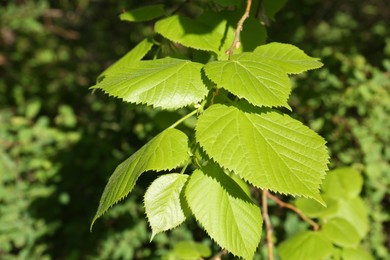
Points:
[59,143]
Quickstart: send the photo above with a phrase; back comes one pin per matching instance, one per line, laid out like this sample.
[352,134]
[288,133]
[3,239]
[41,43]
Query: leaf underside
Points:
[224,210]
[167,83]
[166,151]
[270,150]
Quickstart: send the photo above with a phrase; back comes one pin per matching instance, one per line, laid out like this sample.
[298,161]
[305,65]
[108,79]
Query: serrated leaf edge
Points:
[182,191]
[201,224]
[124,196]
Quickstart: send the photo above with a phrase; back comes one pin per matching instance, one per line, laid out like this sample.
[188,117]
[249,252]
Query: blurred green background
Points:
[59,142]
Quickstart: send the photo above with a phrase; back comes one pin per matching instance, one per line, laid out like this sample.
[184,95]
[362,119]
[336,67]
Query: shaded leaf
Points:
[167,83]
[166,151]
[190,33]
[141,14]
[224,210]
[162,202]
[270,150]
[272,7]
[306,245]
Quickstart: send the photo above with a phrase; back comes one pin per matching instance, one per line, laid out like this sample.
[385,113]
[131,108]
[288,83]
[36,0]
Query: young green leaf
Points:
[143,14]
[136,54]
[168,83]
[306,245]
[250,77]
[166,151]
[227,214]
[355,254]
[287,57]
[355,212]
[162,202]
[270,150]
[191,250]
[340,232]
[313,209]
[343,183]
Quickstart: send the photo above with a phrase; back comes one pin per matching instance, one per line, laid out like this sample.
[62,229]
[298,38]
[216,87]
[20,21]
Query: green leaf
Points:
[192,33]
[270,150]
[314,209]
[307,245]
[162,202]
[252,35]
[224,210]
[355,254]
[142,14]
[286,57]
[343,183]
[136,54]
[167,83]
[354,211]
[166,151]
[191,250]
[273,6]
[212,32]
[248,76]
[340,232]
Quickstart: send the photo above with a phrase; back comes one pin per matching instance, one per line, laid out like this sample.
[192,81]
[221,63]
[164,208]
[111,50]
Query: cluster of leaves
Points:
[239,135]
[344,222]
[51,164]
[347,101]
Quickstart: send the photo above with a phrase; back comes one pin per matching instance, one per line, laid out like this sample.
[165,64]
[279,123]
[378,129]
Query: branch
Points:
[268,225]
[296,210]
[236,43]
[219,255]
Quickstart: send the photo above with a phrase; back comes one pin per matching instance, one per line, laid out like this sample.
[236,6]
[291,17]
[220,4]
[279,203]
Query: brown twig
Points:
[296,210]
[219,255]
[268,225]
[236,43]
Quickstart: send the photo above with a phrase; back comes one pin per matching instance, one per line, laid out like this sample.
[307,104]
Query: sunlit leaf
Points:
[287,57]
[166,151]
[224,210]
[191,250]
[162,202]
[355,212]
[168,83]
[355,254]
[136,54]
[269,149]
[306,245]
[340,232]
[248,76]
[343,182]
